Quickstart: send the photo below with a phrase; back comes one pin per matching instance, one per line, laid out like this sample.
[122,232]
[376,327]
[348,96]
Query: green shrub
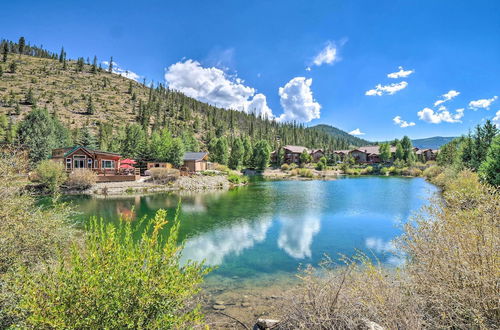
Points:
[116,282]
[285,167]
[222,168]
[81,179]
[51,175]
[306,173]
[384,171]
[236,178]
[367,170]
[292,166]
[164,175]
[432,171]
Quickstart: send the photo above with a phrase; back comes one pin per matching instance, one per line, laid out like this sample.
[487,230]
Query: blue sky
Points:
[312,61]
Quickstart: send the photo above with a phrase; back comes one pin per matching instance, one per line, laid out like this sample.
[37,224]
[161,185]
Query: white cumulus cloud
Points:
[402,73]
[327,55]
[212,85]
[496,119]
[357,131]
[482,103]
[402,123]
[297,100]
[433,117]
[387,89]
[446,97]
[122,72]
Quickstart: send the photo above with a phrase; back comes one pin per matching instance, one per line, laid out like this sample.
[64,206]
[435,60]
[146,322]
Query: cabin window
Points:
[78,161]
[89,163]
[68,163]
[107,163]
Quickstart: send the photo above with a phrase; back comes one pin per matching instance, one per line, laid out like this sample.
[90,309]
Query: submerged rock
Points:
[219,307]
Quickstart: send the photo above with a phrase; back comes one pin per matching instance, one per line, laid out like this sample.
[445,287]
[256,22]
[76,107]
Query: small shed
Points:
[196,161]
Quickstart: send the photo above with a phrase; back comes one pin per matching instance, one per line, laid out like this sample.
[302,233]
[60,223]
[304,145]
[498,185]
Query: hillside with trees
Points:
[80,102]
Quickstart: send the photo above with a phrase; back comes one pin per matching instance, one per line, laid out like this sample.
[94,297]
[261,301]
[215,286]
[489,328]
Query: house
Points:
[195,161]
[316,154]
[292,154]
[367,154]
[426,154]
[82,157]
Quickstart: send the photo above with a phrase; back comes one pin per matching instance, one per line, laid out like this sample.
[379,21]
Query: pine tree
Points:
[5,51]
[61,55]
[37,131]
[176,152]
[261,154]
[90,106]
[13,67]
[21,45]
[110,66]
[87,139]
[29,99]
[1,71]
[79,64]
[237,153]
[94,65]
[490,168]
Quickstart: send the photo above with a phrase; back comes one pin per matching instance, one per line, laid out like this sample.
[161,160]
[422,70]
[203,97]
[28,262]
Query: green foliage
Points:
[235,178]
[385,152]
[51,175]
[285,167]
[321,165]
[90,106]
[176,152]
[261,154]
[219,150]
[305,158]
[490,168]
[116,282]
[13,67]
[237,154]
[41,133]
[400,153]
[87,139]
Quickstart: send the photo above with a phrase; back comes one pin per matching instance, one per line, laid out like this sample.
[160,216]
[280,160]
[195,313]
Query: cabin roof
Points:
[195,155]
[71,150]
[295,149]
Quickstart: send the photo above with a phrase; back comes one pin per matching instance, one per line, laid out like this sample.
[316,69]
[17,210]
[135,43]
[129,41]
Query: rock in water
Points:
[219,307]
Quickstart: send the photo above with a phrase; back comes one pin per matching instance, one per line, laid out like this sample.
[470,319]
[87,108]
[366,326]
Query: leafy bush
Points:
[292,166]
[81,179]
[367,170]
[51,175]
[399,163]
[411,171]
[321,165]
[116,282]
[432,171]
[235,178]
[384,171]
[164,175]
[285,167]
[222,168]
[306,173]
[28,234]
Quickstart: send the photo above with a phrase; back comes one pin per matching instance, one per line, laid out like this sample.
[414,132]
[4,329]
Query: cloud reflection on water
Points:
[213,246]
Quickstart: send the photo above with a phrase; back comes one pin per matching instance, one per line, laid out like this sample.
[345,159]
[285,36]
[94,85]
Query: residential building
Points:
[195,161]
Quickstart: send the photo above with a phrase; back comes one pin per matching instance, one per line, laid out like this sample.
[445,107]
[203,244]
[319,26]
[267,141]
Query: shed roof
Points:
[195,155]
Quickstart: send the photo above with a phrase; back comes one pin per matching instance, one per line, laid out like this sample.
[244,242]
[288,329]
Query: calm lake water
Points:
[273,227]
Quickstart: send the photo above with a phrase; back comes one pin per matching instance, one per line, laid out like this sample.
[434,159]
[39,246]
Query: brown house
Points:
[81,157]
[316,154]
[426,154]
[195,161]
[367,154]
[292,154]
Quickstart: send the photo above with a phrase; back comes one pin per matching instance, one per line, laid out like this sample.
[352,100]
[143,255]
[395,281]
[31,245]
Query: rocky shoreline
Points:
[183,183]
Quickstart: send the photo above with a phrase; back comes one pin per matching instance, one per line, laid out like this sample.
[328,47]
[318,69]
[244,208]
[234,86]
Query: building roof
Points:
[69,150]
[195,155]
[295,149]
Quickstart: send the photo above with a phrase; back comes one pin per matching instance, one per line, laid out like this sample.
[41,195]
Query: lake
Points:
[270,228]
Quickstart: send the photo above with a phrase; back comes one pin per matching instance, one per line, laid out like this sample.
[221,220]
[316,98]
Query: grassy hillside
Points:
[333,131]
[81,96]
[433,142]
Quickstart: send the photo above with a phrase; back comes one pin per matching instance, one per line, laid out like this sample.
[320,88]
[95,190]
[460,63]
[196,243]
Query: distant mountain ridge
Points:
[434,142]
[336,132]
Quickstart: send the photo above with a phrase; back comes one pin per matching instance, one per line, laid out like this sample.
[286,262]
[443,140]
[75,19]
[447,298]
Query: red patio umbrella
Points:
[126,166]
[128,161]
